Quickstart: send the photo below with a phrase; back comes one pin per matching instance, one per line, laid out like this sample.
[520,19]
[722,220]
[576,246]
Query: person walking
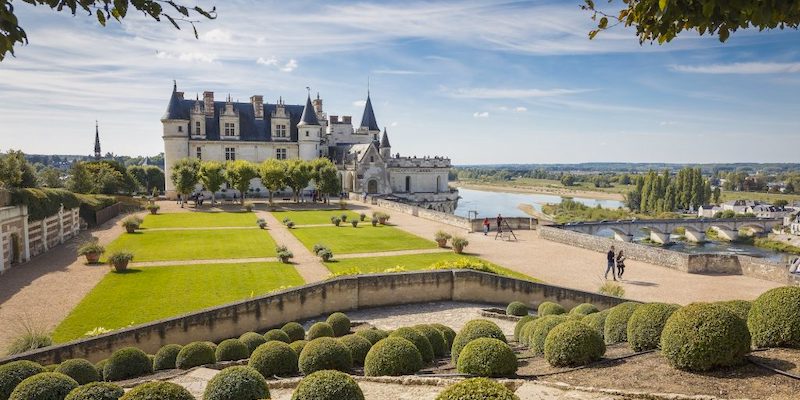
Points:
[620,264]
[486,225]
[499,223]
[611,259]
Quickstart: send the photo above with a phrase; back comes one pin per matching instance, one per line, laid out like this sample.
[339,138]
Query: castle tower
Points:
[176,135]
[368,123]
[97,153]
[308,132]
[385,148]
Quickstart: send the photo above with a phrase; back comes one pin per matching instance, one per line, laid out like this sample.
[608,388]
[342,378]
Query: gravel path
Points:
[307,264]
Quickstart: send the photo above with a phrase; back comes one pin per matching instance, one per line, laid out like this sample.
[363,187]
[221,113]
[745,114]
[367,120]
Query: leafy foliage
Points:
[520,324]
[324,353]
[550,308]
[611,289]
[420,341]
[158,390]
[477,328]
[295,331]
[252,340]
[517,308]
[185,175]
[584,309]
[392,356]
[539,329]
[358,346]
[448,332]
[487,357]
[128,362]
[646,324]
[231,350]
[373,335]
[235,383]
[573,343]
[212,175]
[436,338]
[44,386]
[320,329]
[238,174]
[165,357]
[273,175]
[13,373]
[274,358]
[774,319]
[277,334]
[195,354]
[615,329]
[328,385]
[79,369]
[96,391]
[340,323]
[477,389]
[298,346]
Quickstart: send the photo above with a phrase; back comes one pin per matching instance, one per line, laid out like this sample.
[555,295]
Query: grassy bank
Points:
[776,246]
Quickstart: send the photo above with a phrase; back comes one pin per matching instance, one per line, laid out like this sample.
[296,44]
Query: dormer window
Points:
[197,128]
[280,131]
[230,129]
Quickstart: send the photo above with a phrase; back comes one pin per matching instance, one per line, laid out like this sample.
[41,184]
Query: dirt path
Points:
[307,264]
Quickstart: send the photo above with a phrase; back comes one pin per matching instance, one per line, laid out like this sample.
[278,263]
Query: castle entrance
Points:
[372,186]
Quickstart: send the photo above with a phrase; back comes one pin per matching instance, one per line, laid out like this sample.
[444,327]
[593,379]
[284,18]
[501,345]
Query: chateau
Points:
[207,129]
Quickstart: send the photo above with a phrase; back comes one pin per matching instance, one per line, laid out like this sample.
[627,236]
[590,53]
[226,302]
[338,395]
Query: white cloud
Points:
[740,68]
[217,36]
[359,103]
[481,114]
[190,57]
[502,93]
[521,109]
[393,124]
[290,65]
[272,61]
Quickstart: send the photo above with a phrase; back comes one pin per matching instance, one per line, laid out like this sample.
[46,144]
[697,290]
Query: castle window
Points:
[199,153]
[306,133]
[230,129]
[180,128]
[230,154]
[197,128]
[280,154]
[371,158]
[280,131]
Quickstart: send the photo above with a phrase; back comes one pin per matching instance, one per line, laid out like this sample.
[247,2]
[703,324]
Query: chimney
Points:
[346,119]
[208,102]
[258,106]
[180,95]
[317,104]
[333,119]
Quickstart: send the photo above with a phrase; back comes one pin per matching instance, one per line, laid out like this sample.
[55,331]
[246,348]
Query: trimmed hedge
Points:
[597,321]
[237,383]
[158,390]
[739,307]
[573,343]
[584,309]
[128,362]
[252,340]
[325,353]
[477,328]
[646,324]
[96,391]
[277,334]
[195,354]
[539,330]
[436,338]
[100,366]
[51,367]
[774,319]
[550,308]
[526,332]
[487,357]
[44,386]
[295,331]
[703,336]
[328,385]
[358,346]
[521,323]
[448,332]
[274,358]
[373,335]
[79,369]
[231,350]
[13,373]
[166,356]
[419,340]
[340,323]
[615,329]
[298,345]
[44,202]
[320,329]
[392,356]
[477,389]
[517,308]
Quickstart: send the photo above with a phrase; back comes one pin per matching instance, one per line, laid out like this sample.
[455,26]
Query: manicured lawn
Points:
[199,219]
[364,239]
[412,262]
[152,293]
[195,244]
[315,217]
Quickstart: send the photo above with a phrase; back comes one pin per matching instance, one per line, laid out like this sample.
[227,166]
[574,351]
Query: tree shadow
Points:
[641,283]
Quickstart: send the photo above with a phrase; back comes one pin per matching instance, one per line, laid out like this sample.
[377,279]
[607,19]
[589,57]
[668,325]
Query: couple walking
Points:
[616,264]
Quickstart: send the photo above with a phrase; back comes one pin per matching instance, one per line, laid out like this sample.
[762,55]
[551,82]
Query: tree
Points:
[49,177]
[212,176]
[11,33]
[239,173]
[273,176]
[80,180]
[105,178]
[185,175]
[662,20]
[328,181]
[567,180]
[717,195]
[15,171]
[298,175]
[155,178]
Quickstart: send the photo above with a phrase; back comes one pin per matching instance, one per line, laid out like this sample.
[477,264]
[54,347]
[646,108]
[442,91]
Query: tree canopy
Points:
[185,176]
[212,176]
[239,173]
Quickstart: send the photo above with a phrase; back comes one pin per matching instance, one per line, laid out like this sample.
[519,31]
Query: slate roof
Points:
[385,139]
[368,119]
[309,116]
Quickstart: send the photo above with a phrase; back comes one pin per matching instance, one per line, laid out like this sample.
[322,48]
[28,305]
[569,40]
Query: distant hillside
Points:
[641,167]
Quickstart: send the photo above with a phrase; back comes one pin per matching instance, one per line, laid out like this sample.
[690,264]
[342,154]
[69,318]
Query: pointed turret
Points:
[368,119]
[97,152]
[174,107]
[309,116]
[385,148]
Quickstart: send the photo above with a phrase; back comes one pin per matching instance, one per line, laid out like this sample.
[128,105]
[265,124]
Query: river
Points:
[490,203]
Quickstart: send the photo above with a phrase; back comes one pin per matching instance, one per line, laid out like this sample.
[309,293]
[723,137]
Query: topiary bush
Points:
[392,356]
[517,308]
[573,343]
[318,330]
[420,341]
[739,307]
[298,345]
[615,329]
[597,321]
[100,366]
[79,369]
[96,391]
[584,309]
[448,332]
[295,331]
[44,386]
[340,323]
[373,335]
[550,308]
[128,362]
[477,389]
[526,331]
[646,324]
[252,340]
[274,358]
[325,353]
[328,385]
[358,346]
[702,336]
[158,390]
[237,383]
[436,338]
[477,328]
[195,354]
[231,350]
[277,334]
[487,357]
[165,357]
[539,330]
[774,319]
[521,323]
[13,373]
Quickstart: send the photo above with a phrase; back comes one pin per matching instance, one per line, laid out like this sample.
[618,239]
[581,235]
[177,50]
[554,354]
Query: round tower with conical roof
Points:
[308,133]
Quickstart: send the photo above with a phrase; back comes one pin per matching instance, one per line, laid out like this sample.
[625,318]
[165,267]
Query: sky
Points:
[482,82]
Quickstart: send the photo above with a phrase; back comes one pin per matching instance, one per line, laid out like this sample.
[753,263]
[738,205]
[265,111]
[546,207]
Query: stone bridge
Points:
[660,229]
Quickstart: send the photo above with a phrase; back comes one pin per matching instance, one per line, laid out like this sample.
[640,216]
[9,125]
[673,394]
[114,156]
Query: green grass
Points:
[199,220]
[316,217]
[365,239]
[195,244]
[152,293]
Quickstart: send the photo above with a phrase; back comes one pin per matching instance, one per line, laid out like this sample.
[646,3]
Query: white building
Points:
[768,211]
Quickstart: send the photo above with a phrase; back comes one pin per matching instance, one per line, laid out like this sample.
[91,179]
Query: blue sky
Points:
[482,82]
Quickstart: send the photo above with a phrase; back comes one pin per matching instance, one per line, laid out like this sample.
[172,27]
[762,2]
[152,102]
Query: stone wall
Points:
[763,269]
[314,300]
[516,223]
[713,264]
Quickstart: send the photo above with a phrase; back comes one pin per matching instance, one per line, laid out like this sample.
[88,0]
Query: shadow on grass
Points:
[126,271]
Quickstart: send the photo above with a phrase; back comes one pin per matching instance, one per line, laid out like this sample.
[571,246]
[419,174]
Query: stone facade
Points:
[21,239]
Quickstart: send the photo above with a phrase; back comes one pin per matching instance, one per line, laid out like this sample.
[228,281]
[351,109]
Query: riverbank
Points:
[564,192]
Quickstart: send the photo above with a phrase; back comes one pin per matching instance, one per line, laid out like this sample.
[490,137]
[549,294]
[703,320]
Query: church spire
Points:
[368,119]
[309,116]
[97,153]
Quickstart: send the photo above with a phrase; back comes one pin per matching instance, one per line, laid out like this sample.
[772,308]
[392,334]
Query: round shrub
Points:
[584,309]
[392,356]
[774,318]
[477,328]
[237,383]
[597,321]
[79,369]
[51,367]
[128,362]
[615,329]
[373,335]
[158,390]
[526,331]
[318,330]
[550,308]
[231,350]
[739,307]
[420,341]
[277,334]
[517,308]
[96,391]
[436,338]
[295,331]
[100,366]
[646,324]
[274,358]
[448,332]
[195,354]
[13,373]
[252,340]
[539,330]
[477,389]
[298,345]
[328,385]
[703,336]
[325,353]
[572,343]
[520,324]
[152,358]
[166,356]
[487,357]
[358,346]
[340,323]
[44,386]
